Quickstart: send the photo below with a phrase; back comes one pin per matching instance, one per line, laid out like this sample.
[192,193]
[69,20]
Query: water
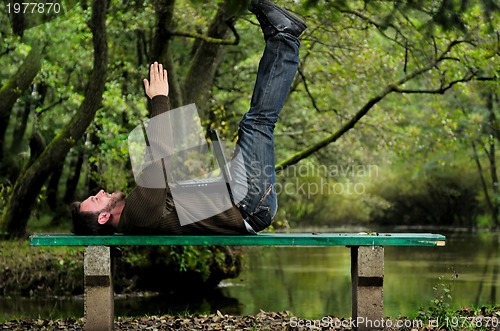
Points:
[316,282]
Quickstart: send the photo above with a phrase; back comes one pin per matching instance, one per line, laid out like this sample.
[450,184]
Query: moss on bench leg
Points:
[99,298]
[367,272]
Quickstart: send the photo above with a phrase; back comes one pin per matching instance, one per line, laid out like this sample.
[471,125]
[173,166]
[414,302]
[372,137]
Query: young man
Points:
[152,210]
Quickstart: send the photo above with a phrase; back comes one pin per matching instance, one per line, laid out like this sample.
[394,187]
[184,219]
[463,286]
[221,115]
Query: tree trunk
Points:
[20,125]
[74,176]
[18,20]
[30,182]
[175,94]
[23,117]
[53,188]
[161,51]
[19,82]
[494,274]
[487,197]
[208,56]
[164,10]
[93,186]
[492,127]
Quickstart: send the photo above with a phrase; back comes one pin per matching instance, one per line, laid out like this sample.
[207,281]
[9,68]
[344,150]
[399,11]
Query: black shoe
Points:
[274,19]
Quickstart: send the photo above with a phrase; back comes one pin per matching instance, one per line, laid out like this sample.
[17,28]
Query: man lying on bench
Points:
[148,210]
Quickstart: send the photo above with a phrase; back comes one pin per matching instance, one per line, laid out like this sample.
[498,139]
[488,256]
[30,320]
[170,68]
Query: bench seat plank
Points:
[267,239]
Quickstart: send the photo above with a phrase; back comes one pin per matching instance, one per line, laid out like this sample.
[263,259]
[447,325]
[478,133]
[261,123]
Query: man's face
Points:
[101,201]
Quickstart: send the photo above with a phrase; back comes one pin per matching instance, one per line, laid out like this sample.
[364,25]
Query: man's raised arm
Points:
[157,89]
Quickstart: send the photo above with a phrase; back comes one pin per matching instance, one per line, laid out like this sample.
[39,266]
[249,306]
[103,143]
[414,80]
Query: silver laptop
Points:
[219,156]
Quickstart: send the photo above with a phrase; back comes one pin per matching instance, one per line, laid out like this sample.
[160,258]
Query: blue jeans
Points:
[253,172]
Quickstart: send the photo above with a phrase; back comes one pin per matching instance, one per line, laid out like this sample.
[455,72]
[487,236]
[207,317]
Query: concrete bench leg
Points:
[367,273]
[99,300]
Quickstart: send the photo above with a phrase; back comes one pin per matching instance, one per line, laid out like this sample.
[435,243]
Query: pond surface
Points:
[316,282]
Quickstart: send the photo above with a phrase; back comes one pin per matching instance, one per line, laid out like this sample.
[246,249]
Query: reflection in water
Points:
[16,308]
[22,308]
[316,282]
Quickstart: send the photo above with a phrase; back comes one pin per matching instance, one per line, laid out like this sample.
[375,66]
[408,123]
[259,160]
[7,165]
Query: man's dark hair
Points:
[85,223]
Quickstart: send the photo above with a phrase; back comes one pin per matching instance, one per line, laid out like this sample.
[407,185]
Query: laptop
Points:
[207,194]
[178,140]
[219,157]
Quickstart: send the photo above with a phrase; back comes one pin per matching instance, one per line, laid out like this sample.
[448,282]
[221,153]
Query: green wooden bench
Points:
[367,264]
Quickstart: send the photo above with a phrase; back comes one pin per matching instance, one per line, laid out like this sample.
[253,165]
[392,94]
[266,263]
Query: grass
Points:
[30,270]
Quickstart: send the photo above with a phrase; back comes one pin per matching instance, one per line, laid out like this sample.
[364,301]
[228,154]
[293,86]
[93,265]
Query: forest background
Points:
[392,118]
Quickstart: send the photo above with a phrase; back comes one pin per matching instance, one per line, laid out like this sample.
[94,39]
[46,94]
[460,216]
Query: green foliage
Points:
[315,195]
[197,259]
[440,305]
[41,271]
[439,14]
[439,314]
[441,192]
[4,194]
[187,267]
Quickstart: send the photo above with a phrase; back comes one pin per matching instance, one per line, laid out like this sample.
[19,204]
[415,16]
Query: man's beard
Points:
[116,197]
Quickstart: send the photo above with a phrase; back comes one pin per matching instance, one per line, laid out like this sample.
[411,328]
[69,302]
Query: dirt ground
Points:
[282,321]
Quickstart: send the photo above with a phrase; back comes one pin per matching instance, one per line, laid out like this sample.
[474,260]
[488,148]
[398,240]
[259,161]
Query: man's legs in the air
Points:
[276,72]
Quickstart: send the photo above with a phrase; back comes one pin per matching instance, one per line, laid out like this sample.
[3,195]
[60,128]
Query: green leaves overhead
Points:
[445,14]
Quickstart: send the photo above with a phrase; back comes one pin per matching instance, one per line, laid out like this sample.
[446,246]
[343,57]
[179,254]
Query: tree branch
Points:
[208,39]
[55,103]
[297,133]
[208,56]
[394,87]
[311,97]
[441,89]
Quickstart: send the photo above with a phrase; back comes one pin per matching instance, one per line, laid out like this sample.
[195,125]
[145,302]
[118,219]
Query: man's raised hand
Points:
[158,84]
